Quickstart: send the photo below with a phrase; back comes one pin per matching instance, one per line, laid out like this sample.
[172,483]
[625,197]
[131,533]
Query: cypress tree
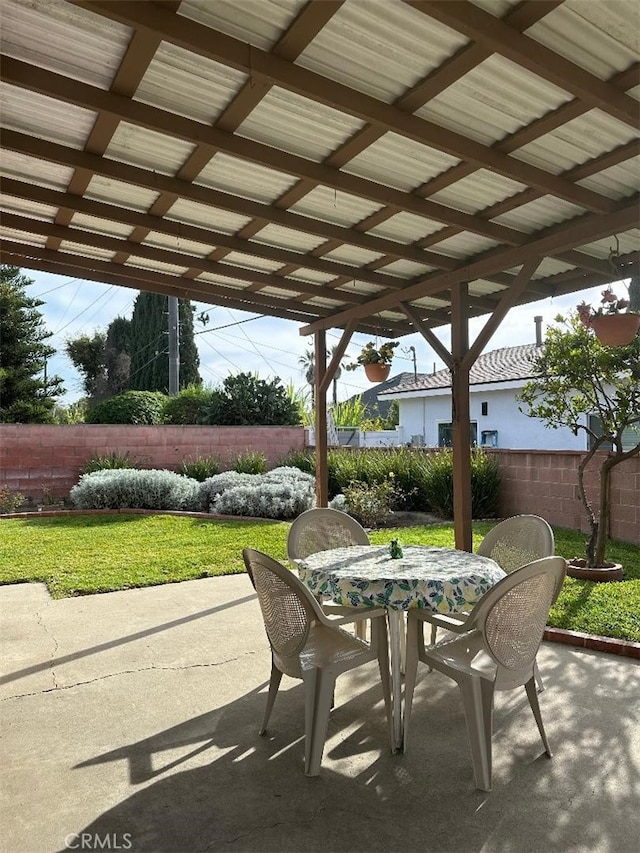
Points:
[150,344]
[26,396]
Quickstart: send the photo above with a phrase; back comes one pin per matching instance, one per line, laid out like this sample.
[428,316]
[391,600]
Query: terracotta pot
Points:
[609,572]
[377,372]
[615,330]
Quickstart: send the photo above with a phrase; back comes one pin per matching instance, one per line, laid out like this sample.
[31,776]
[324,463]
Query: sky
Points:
[237,341]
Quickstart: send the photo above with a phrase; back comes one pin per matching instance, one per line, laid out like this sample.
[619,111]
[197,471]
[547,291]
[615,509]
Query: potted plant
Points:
[375,360]
[594,390]
[616,321]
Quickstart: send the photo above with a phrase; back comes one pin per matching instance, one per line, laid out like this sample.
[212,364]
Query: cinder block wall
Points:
[37,458]
[546,484]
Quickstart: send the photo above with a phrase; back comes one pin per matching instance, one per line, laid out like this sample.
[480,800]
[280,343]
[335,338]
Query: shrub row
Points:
[400,479]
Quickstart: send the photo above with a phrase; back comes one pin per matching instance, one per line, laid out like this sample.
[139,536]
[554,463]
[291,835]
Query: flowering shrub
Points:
[128,488]
[371,503]
[280,493]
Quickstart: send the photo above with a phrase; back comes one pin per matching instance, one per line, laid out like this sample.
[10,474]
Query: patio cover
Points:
[380,166]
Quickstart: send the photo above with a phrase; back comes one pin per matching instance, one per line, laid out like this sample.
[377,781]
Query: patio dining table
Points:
[443,580]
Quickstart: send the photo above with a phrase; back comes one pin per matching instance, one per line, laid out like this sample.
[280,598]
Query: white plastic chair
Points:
[517,541]
[307,644]
[513,543]
[320,529]
[497,651]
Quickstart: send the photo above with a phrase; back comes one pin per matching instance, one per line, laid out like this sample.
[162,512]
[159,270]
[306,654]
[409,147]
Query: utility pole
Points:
[174,347]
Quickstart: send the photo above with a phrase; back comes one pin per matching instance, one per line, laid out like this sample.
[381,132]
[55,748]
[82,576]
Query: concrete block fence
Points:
[546,483]
[36,459]
[39,460]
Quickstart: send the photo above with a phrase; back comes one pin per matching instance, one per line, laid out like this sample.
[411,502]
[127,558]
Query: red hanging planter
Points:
[377,372]
[615,330]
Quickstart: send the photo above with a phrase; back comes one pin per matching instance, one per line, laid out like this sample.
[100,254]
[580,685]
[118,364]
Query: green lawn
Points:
[79,555]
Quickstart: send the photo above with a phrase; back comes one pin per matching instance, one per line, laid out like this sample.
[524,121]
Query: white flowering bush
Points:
[128,488]
[211,488]
[282,493]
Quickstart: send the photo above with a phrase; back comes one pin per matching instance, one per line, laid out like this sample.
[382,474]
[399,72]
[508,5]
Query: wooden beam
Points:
[507,302]
[322,471]
[338,352]
[462,515]
[435,343]
[583,229]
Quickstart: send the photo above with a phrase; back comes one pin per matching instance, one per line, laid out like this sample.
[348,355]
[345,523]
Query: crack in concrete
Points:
[255,829]
[40,621]
[58,687]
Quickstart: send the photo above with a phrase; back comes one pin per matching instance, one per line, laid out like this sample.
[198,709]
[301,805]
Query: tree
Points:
[26,393]
[149,344]
[87,355]
[578,377]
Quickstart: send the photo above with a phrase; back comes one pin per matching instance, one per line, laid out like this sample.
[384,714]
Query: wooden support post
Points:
[322,472]
[460,418]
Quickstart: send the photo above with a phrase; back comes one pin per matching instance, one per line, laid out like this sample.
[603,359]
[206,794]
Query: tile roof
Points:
[507,364]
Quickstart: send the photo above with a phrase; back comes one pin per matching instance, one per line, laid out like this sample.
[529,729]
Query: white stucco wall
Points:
[516,431]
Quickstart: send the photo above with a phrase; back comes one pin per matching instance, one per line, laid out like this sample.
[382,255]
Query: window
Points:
[445,434]
[630,437]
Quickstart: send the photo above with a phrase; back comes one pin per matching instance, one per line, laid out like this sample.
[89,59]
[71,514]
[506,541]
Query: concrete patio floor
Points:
[129,721]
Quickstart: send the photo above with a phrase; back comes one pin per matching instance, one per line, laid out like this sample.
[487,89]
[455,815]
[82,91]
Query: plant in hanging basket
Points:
[370,354]
[615,322]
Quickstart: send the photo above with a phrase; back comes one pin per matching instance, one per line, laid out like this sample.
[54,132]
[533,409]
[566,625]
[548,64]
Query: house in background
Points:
[376,407]
[495,381]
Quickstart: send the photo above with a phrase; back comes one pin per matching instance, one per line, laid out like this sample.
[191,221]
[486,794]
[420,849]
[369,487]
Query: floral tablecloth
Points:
[443,580]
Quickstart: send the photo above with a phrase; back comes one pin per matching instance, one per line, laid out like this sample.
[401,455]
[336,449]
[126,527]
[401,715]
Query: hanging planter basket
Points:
[615,330]
[377,372]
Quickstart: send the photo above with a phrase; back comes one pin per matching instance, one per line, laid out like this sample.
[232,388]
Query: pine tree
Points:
[26,393]
[150,344]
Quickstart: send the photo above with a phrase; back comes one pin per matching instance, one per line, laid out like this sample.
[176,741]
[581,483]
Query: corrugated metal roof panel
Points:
[63,38]
[354,255]
[405,228]
[601,37]
[258,22]
[360,287]
[577,141]
[286,238]
[188,84]
[312,276]
[429,303]
[39,172]
[194,213]
[100,226]
[465,245]
[43,117]
[278,292]
[24,207]
[22,236]
[493,100]
[177,244]
[407,269]
[498,8]
[245,179]
[331,205]
[85,251]
[478,191]
[298,125]
[231,283]
[157,266]
[399,162]
[250,262]
[617,182]
[379,48]
[628,241]
[323,302]
[147,148]
[124,195]
[482,287]
[540,213]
